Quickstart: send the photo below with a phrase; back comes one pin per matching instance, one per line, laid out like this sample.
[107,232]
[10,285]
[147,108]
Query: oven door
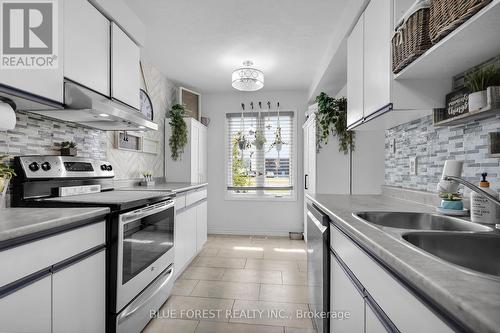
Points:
[145,248]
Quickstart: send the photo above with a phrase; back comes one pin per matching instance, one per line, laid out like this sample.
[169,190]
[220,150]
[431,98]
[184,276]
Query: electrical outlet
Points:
[413,166]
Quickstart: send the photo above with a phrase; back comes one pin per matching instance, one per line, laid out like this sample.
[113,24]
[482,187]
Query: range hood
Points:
[88,108]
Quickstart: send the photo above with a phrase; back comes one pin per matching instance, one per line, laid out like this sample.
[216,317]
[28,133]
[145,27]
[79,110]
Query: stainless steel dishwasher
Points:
[318,265]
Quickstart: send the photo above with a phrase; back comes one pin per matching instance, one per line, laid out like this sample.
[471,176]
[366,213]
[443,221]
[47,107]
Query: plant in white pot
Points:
[260,139]
[6,173]
[278,140]
[478,82]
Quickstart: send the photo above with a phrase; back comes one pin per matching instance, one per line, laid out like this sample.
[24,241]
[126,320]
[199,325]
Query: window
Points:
[260,154]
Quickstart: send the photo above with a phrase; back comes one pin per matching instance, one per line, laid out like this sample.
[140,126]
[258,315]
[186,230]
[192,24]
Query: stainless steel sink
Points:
[478,252]
[419,221]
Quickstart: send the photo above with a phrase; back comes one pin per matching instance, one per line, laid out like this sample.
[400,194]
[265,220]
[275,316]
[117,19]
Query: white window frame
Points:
[231,196]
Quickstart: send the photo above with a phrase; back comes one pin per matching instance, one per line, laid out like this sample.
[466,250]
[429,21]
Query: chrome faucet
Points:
[473,188]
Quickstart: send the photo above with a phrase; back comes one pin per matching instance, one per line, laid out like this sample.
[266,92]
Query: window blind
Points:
[257,167]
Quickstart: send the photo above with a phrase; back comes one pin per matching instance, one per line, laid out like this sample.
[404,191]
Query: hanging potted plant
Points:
[478,82]
[6,173]
[68,148]
[243,143]
[332,119]
[178,139]
[260,139]
[278,140]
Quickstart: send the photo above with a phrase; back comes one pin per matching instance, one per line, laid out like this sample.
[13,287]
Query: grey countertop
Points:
[20,223]
[472,298]
[169,186]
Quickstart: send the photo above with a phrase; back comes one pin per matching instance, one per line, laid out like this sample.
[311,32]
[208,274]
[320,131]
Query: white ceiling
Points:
[198,42]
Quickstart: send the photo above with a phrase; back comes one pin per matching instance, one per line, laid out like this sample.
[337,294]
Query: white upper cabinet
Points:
[87,46]
[355,73]
[125,75]
[377,62]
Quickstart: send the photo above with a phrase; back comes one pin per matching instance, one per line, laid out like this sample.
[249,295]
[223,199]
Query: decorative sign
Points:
[457,103]
[128,141]
[150,146]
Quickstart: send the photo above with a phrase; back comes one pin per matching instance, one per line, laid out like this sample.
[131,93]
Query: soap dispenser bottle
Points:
[484,210]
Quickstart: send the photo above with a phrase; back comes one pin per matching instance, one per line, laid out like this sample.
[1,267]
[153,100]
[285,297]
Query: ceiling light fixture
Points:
[247,78]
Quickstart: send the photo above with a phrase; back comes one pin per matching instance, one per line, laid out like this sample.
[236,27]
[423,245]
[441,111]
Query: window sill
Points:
[264,198]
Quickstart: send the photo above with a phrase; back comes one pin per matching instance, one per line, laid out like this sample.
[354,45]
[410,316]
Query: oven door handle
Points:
[143,299]
[149,210]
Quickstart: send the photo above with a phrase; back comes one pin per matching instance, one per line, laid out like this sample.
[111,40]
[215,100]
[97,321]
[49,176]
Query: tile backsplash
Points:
[433,145]
[38,135]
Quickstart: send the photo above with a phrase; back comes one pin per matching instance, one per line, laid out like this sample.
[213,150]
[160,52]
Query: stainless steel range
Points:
[140,230]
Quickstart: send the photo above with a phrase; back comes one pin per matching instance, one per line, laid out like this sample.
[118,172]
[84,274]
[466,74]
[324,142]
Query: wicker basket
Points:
[411,39]
[447,15]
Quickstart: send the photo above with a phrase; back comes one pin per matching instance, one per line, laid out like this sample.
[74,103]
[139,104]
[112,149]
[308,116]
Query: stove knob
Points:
[46,166]
[109,167]
[34,167]
[103,167]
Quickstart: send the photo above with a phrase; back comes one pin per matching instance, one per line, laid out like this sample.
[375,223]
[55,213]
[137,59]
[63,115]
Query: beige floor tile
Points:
[278,252]
[303,266]
[171,326]
[225,289]
[242,252]
[295,278]
[203,273]
[197,308]
[252,275]
[208,252]
[184,287]
[272,313]
[277,265]
[218,327]
[219,262]
[284,293]
[299,330]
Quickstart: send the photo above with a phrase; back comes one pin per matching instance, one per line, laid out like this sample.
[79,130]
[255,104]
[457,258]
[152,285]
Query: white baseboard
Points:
[248,231]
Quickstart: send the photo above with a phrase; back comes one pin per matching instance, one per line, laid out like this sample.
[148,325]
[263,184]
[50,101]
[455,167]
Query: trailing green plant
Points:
[278,140]
[68,144]
[243,142]
[238,171]
[331,119]
[482,79]
[6,171]
[178,139]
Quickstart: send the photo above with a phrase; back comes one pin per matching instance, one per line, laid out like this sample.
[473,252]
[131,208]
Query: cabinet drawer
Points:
[32,257]
[396,301]
[196,196]
[180,202]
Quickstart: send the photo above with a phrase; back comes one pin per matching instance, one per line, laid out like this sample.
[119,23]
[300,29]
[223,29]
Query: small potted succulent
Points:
[68,148]
[478,82]
[278,140]
[6,173]
[452,201]
[260,139]
[147,179]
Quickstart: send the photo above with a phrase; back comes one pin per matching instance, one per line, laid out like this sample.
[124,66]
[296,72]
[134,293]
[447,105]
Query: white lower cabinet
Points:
[344,296]
[80,289]
[201,225]
[372,323]
[27,310]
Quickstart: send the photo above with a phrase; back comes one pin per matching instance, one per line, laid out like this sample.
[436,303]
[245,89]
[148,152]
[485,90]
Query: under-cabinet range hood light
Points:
[88,108]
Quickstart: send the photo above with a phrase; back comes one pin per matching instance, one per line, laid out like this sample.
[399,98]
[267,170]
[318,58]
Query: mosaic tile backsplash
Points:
[433,145]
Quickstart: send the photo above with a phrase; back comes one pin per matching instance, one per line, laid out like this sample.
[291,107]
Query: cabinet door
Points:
[86,41]
[311,152]
[125,58]
[377,56]
[185,238]
[344,296]
[80,289]
[202,153]
[355,73]
[372,323]
[201,225]
[27,309]
[195,152]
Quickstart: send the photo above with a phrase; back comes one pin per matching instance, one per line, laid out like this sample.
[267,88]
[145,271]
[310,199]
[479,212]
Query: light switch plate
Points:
[392,146]
[413,166]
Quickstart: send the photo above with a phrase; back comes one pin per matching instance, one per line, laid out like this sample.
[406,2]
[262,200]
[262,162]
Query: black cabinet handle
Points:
[305,182]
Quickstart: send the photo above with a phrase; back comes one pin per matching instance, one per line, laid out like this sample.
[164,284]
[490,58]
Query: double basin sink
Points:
[453,240]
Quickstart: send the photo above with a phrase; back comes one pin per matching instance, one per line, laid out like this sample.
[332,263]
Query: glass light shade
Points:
[247,79]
